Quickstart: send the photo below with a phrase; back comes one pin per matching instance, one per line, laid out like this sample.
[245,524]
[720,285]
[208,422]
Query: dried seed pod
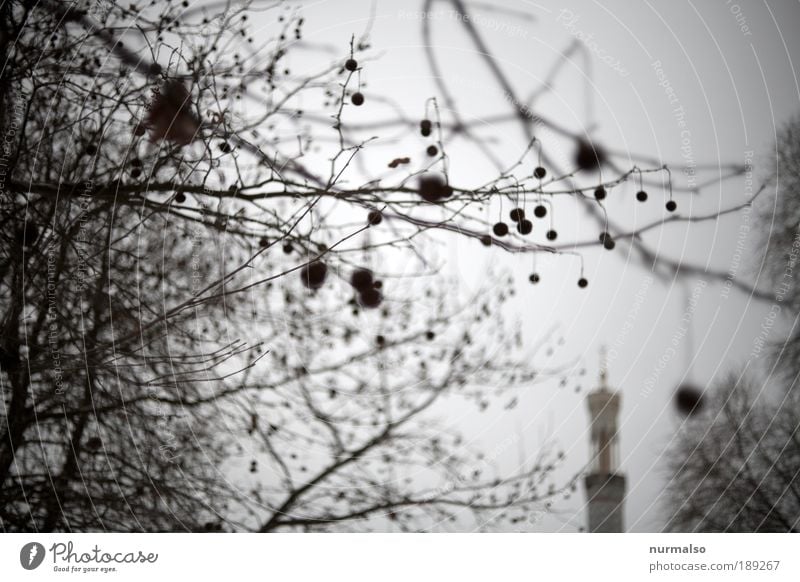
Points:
[688,399]
[170,116]
[313,275]
[361,279]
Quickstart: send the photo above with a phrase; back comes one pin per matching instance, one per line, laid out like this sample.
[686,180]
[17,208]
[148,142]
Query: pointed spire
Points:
[603,367]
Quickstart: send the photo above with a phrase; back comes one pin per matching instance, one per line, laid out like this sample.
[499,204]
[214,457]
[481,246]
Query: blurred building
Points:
[605,485]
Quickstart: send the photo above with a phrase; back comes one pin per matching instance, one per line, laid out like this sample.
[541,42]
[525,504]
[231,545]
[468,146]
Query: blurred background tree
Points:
[735,462]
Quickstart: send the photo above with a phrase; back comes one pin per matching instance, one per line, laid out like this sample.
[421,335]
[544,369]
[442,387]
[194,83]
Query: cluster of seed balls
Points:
[367,287]
[517,215]
[525,226]
[356,98]
[433,187]
[600,195]
[425,129]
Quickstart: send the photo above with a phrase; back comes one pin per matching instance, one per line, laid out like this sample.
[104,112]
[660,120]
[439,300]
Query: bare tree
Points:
[215,316]
[736,464]
[779,218]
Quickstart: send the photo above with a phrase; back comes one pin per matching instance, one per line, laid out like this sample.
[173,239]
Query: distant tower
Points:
[605,488]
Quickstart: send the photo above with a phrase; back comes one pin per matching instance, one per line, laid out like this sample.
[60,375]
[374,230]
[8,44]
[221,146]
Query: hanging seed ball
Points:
[357,98]
[486,240]
[433,188]
[672,206]
[351,64]
[313,275]
[500,229]
[539,173]
[374,217]
[180,197]
[588,156]
[582,283]
[429,335]
[94,443]
[135,173]
[263,242]
[609,244]
[139,130]
[425,127]
[517,214]
[603,236]
[91,150]
[641,196]
[136,163]
[540,211]
[525,227]
[370,298]
[380,340]
[287,248]
[600,193]
[688,399]
[378,284]
[225,147]
[361,279]
[552,235]
[432,150]
[534,278]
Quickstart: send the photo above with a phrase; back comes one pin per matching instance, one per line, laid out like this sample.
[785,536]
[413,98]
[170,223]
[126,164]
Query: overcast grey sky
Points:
[703,83]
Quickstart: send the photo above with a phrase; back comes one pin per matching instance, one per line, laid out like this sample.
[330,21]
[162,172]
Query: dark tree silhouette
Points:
[216,315]
[779,217]
[735,463]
